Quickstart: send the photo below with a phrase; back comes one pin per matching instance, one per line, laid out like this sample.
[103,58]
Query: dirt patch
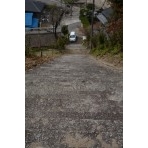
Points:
[78,141]
[33,61]
[111,60]
[104,144]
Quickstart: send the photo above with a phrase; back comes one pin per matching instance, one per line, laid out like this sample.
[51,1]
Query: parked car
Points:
[72,37]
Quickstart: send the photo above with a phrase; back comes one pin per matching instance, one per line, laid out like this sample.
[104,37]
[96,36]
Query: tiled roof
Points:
[102,18]
[33,6]
[107,12]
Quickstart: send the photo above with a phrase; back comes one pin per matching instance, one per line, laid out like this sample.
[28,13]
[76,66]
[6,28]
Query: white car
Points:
[72,37]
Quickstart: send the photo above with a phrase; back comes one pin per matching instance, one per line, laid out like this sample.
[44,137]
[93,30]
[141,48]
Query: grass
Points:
[111,56]
[96,52]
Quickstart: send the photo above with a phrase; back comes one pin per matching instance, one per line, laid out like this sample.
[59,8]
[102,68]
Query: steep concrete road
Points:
[74,102]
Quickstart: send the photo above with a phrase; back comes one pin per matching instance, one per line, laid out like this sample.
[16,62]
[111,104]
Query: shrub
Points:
[87,32]
[90,6]
[115,49]
[64,29]
[61,42]
[94,41]
[84,17]
[98,40]
[102,38]
[84,21]
[82,11]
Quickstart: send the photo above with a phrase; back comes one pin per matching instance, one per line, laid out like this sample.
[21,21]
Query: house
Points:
[105,15]
[102,18]
[33,10]
[108,12]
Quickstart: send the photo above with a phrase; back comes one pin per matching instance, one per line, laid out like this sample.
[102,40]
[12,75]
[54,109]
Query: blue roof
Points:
[28,19]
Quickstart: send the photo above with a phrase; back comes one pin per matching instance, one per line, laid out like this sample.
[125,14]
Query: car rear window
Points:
[72,36]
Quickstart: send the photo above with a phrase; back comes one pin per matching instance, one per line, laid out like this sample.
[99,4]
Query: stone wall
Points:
[36,40]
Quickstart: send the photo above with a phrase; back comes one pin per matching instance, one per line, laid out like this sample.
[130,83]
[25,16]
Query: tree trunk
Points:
[56,25]
[55,31]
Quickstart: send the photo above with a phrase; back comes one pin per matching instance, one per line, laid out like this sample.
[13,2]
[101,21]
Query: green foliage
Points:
[83,18]
[98,51]
[86,15]
[116,39]
[64,29]
[94,41]
[70,1]
[98,40]
[114,44]
[84,21]
[88,36]
[102,46]
[90,6]
[115,49]
[102,38]
[82,11]
[61,42]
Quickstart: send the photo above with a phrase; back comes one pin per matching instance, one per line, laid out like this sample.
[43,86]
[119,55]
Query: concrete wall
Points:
[36,40]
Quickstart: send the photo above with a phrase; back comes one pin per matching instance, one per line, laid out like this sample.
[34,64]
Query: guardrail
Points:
[39,29]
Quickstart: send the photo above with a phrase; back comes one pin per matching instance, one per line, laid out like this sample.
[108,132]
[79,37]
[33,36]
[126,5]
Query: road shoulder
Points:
[112,62]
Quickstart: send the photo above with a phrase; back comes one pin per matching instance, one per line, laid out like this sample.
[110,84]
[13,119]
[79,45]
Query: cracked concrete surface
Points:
[74,102]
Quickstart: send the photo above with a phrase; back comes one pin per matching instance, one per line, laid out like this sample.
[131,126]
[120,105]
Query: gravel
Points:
[74,101]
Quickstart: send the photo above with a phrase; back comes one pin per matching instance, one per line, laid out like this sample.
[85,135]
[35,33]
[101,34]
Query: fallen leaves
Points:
[33,61]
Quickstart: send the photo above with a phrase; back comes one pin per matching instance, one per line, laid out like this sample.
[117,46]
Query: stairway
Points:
[75,48]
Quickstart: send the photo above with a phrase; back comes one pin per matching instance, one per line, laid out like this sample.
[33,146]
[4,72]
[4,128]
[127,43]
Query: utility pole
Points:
[92,21]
